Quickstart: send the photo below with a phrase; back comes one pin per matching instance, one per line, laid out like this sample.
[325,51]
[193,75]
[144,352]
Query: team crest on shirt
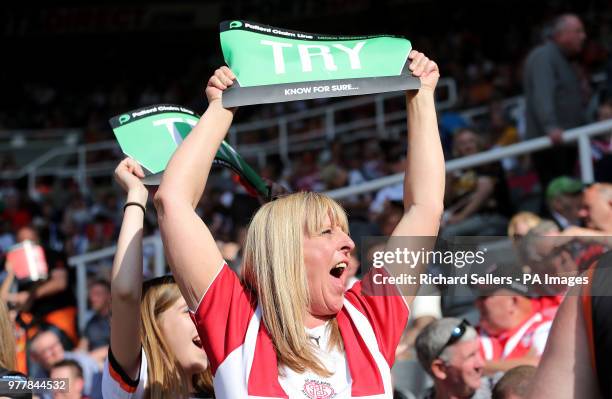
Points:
[314,389]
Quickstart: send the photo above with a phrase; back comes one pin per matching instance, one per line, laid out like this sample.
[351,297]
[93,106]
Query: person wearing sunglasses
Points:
[449,351]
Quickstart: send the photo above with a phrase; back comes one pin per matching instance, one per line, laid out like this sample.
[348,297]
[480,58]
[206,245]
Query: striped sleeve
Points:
[223,316]
[116,384]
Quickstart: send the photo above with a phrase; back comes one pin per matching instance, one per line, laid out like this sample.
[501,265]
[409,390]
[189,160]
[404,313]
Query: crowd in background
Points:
[488,200]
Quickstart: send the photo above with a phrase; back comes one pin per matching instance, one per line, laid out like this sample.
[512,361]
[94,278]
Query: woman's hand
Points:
[425,69]
[221,80]
[128,174]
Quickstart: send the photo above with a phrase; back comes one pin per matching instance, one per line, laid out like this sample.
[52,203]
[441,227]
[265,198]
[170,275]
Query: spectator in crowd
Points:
[15,211]
[395,161]
[51,301]
[388,220]
[564,199]
[373,162]
[515,384]
[7,238]
[601,146]
[604,111]
[597,214]
[597,209]
[97,331]
[334,177]
[448,350]
[450,122]
[555,95]
[477,199]
[502,131]
[306,174]
[521,223]
[72,372]
[511,331]
[47,350]
[77,213]
[155,351]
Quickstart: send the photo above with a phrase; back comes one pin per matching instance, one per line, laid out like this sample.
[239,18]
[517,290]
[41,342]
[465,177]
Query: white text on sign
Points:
[307,51]
[319,89]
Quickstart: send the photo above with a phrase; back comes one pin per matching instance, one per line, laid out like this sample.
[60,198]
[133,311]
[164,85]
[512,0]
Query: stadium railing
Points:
[580,134]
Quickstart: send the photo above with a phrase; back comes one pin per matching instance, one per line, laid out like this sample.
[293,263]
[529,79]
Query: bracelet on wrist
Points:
[144,210]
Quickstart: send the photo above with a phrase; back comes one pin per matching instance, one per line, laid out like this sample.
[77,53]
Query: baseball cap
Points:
[563,185]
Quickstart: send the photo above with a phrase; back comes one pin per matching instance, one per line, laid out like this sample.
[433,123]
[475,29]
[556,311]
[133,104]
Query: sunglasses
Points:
[455,336]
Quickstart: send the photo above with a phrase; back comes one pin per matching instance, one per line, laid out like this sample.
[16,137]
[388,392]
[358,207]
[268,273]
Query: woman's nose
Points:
[347,243]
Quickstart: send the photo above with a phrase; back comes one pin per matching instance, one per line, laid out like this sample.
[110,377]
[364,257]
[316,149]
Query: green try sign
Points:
[150,135]
[273,64]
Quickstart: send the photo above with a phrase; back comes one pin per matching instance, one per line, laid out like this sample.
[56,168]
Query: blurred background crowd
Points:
[72,67]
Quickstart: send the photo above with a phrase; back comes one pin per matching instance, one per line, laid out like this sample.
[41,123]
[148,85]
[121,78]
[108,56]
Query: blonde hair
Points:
[528,218]
[165,378]
[7,339]
[274,271]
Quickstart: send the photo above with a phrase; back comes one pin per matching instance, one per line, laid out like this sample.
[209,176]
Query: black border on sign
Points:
[236,96]
[224,27]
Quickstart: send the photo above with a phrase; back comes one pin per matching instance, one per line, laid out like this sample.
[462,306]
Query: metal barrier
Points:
[580,134]
[80,262]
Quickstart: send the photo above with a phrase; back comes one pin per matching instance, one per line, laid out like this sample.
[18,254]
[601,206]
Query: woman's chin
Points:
[197,365]
[335,307]
[197,368]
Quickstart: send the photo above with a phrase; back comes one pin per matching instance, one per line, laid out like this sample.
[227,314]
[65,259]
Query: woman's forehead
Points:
[179,303]
[327,220]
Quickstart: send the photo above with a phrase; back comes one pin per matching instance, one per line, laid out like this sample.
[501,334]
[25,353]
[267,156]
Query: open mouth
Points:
[337,270]
[197,342]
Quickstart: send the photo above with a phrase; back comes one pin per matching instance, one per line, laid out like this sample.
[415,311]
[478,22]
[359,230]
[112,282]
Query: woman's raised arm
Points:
[126,280]
[424,176]
[190,248]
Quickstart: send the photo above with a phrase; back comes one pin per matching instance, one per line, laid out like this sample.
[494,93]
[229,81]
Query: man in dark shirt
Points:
[556,95]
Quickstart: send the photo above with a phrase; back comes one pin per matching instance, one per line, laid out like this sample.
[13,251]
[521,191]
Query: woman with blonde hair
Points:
[288,328]
[155,351]
[521,223]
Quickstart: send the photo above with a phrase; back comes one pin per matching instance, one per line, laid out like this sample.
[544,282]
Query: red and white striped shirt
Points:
[242,356]
[518,342]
